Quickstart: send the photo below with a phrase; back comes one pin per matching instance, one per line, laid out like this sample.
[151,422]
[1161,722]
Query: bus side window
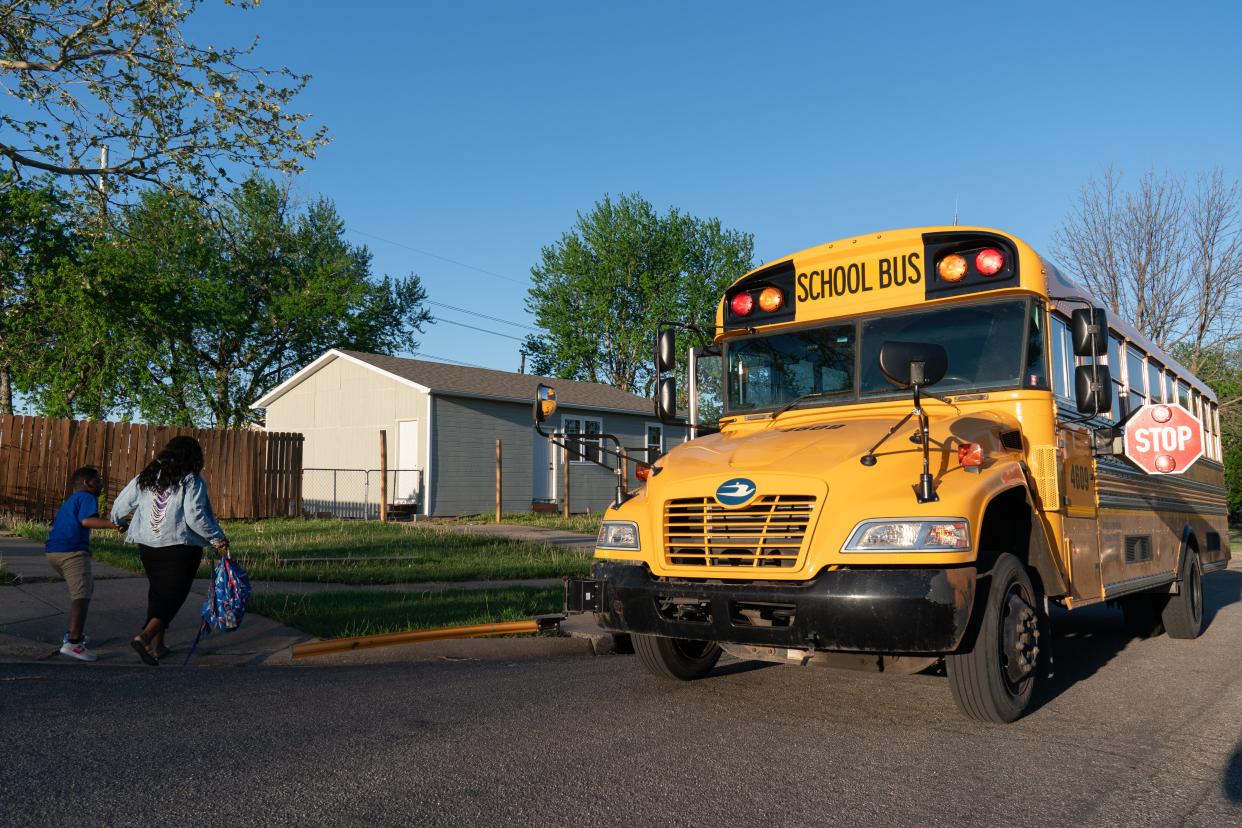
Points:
[1216,432]
[1155,382]
[1062,361]
[1115,368]
[1036,370]
[1183,394]
[1136,378]
[1205,417]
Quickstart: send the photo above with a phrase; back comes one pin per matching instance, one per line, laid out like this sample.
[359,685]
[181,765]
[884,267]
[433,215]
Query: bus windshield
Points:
[984,343]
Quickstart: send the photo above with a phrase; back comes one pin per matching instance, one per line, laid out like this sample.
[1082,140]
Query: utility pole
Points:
[522,370]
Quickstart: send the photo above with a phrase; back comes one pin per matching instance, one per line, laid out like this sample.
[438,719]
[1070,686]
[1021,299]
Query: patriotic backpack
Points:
[226,601]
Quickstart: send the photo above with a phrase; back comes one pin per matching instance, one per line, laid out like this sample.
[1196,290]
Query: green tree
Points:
[86,74]
[600,291]
[36,241]
[205,309]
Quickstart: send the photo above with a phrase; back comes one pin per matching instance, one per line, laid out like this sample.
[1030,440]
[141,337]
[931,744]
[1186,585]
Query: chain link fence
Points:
[355,493]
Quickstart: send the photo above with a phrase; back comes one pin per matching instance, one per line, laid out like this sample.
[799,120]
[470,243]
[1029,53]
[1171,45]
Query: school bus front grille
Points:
[770,532]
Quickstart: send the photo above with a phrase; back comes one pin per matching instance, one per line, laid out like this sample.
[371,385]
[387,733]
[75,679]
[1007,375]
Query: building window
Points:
[584,448]
[655,441]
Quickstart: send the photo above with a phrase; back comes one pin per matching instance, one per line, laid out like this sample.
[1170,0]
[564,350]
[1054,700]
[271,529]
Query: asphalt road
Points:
[1128,733]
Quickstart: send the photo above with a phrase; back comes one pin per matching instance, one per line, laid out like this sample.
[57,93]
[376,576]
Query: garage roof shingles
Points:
[484,382]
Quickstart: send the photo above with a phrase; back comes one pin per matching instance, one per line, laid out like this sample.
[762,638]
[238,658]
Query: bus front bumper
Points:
[872,610]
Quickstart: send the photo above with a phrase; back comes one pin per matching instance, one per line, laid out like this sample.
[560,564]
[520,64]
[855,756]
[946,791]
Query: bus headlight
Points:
[941,534]
[617,534]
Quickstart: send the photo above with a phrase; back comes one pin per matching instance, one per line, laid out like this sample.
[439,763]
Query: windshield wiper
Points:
[814,395]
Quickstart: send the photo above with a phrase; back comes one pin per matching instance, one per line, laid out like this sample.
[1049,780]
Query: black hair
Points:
[182,456]
[83,475]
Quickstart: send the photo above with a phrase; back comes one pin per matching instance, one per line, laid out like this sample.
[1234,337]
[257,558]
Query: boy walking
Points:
[68,550]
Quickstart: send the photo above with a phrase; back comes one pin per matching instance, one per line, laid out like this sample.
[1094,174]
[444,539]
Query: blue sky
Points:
[474,132]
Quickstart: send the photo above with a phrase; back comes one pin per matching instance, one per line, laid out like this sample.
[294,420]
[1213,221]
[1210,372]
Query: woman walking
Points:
[172,522]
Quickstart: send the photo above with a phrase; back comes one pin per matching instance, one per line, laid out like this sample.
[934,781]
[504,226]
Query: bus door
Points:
[1078,505]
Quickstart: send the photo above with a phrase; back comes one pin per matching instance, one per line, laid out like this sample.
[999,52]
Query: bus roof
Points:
[1046,281]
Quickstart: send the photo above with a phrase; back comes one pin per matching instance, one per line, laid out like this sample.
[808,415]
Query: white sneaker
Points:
[77,651]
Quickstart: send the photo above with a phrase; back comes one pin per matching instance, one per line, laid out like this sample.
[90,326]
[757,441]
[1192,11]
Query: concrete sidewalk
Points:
[34,612]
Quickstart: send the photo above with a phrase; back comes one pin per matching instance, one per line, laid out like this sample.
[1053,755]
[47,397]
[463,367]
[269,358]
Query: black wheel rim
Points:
[1019,639]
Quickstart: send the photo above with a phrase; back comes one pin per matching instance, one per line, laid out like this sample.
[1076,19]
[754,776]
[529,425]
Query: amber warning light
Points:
[771,299]
[952,268]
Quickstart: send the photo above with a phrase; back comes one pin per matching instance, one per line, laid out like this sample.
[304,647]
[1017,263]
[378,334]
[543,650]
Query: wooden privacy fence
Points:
[249,474]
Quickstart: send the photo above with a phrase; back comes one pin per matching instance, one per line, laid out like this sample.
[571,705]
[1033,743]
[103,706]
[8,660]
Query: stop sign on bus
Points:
[1163,438]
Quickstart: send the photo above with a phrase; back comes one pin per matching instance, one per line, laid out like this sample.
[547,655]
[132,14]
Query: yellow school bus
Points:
[921,445]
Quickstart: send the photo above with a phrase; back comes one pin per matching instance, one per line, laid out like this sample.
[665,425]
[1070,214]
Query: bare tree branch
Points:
[81,74]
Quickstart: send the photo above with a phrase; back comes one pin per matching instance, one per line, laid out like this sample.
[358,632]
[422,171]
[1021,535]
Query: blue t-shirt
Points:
[68,534]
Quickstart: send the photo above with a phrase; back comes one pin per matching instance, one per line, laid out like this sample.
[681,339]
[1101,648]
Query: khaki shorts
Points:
[75,568]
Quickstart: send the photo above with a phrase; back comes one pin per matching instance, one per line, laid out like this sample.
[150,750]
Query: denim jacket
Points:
[182,515]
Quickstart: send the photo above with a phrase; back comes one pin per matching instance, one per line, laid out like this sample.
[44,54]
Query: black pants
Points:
[170,573]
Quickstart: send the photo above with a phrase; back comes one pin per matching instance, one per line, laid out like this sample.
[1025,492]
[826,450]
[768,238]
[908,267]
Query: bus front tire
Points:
[1183,613]
[994,679]
[676,659]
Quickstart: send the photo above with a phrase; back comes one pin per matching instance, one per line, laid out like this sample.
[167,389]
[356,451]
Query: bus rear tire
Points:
[994,680]
[1142,615]
[676,659]
[1183,614]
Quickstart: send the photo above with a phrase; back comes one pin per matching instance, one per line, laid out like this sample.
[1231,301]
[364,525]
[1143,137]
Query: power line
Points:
[482,330]
[483,316]
[441,258]
[454,361]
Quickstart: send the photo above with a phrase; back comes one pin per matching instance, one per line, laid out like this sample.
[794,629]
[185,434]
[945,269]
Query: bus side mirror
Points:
[907,364]
[545,402]
[666,400]
[666,351]
[1090,332]
[1092,393]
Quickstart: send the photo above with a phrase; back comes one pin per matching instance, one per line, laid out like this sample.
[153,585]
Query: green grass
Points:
[587,524]
[7,577]
[338,614]
[427,554]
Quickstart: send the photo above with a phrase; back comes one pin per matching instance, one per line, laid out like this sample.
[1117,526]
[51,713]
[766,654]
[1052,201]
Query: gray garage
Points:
[442,422]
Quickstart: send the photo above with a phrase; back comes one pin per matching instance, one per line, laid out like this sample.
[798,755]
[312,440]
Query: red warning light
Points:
[742,304]
[990,261]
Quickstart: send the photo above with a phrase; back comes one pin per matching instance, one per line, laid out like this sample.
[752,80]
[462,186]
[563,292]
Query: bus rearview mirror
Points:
[666,351]
[1092,389]
[545,402]
[1090,332]
[666,400]
[907,364]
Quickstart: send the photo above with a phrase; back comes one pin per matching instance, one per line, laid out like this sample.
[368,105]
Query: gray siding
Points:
[463,469]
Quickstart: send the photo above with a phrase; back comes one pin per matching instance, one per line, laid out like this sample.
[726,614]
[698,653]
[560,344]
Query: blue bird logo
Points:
[735,492]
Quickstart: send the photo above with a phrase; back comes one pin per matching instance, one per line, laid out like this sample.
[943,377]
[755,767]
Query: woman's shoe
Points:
[144,652]
[162,652]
